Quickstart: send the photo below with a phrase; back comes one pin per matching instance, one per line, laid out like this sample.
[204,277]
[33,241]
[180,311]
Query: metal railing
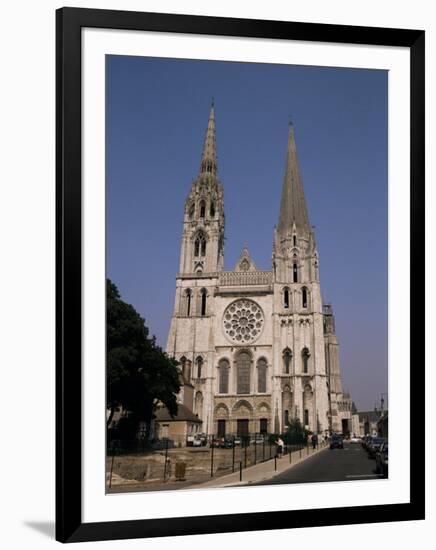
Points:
[162,462]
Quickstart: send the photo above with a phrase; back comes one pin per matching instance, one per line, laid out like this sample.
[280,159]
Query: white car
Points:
[356,439]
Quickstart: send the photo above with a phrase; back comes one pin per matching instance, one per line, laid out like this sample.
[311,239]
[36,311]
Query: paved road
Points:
[347,464]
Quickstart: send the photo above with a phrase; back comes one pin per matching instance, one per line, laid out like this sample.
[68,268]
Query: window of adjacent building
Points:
[286,298]
[306,417]
[304,296]
[199,363]
[223,377]
[295,273]
[287,357]
[286,418]
[203,302]
[243,363]
[261,376]
[305,356]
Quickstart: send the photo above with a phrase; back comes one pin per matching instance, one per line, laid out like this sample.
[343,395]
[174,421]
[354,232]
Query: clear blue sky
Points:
[157,112]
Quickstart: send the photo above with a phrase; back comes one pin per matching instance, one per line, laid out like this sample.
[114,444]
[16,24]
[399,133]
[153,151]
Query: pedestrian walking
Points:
[314,441]
[280,445]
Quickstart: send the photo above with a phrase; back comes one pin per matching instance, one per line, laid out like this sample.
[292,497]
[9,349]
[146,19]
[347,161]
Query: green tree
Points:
[295,433]
[139,373]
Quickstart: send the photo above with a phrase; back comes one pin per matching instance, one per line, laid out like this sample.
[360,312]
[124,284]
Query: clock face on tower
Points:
[243,321]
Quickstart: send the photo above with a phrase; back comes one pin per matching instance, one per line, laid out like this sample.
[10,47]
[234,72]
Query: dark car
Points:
[365,441]
[381,460]
[228,443]
[336,442]
[374,446]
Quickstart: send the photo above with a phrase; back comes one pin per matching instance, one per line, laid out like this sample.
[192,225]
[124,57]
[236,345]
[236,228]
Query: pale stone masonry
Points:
[259,347]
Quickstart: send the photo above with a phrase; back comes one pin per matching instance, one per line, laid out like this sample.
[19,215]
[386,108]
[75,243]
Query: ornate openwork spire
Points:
[245,263]
[208,159]
[293,205]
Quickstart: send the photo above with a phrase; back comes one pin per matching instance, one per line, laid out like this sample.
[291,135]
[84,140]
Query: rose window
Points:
[243,321]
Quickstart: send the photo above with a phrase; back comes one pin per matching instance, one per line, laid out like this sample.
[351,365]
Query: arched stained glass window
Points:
[200,245]
[304,296]
[243,365]
[199,364]
[202,209]
[295,273]
[183,365]
[305,354]
[203,302]
[188,298]
[287,358]
[223,367]
[286,298]
[261,376]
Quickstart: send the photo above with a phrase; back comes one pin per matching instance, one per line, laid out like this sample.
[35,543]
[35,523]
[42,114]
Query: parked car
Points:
[217,442]
[228,443]
[197,441]
[258,439]
[237,441]
[366,440]
[190,440]
[374,446]
[202,438]
[381,460]
[355,439]
[336,442]
[161,444]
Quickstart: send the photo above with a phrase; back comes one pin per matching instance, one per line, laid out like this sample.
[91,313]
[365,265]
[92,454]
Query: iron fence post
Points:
[211,457]
[166,459]
[112,469]
[255,448]
[233,455]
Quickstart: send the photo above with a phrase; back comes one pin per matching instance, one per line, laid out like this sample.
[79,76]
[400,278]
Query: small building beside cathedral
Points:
[258,347]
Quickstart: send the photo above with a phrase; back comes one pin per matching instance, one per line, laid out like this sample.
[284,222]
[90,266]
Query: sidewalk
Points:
[264,470]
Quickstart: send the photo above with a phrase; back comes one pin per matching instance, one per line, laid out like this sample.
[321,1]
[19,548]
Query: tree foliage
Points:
[139,373]
[295,432]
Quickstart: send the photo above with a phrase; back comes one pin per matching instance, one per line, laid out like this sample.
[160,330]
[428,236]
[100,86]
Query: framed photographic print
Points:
[240,264]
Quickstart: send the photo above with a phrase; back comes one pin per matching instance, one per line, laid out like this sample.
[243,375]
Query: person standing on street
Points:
[280,445]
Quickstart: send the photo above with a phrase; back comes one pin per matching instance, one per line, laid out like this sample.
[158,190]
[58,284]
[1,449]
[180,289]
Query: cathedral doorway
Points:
[263,425]
[221,428]
[242,427]
[345,428]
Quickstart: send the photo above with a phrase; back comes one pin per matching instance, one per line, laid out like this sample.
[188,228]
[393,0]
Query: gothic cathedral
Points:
[258,348]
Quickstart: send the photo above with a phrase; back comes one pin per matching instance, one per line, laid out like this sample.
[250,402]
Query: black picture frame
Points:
[69,22]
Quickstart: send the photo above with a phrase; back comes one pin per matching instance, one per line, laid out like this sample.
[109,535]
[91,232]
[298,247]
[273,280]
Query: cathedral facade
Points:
[258,348]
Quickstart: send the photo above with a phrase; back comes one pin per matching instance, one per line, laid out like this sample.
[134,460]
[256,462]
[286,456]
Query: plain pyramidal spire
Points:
[293,204]
[208,159]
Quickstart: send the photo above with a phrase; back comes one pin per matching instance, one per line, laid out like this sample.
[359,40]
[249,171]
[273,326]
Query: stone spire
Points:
[208,160]
[293,205]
